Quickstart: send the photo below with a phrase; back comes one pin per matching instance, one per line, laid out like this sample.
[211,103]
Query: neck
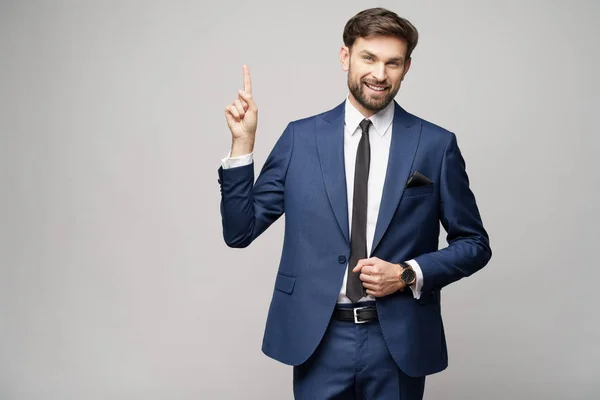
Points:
[365,112]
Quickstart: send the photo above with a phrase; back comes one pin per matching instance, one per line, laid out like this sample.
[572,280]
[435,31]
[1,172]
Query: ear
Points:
[406,67]
[345,58]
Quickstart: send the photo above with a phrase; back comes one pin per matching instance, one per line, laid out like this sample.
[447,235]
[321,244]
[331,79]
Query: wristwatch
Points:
[408,275]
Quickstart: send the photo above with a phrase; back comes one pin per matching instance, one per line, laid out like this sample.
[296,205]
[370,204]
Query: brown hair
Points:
[380,22]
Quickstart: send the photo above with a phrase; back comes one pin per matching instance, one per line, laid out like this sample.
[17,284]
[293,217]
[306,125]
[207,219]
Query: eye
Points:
[367,58]
[394,63]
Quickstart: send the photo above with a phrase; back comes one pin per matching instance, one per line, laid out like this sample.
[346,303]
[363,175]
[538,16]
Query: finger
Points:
[229,113]
[240,108]
[247,81]
[248,97]
[373,293]
[366,277]
[230,119]
[361,263]
[244,102]
[371,286]
[369,270]
[234,112]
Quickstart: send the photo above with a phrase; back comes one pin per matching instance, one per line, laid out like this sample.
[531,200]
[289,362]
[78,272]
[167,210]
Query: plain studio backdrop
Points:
[115,281]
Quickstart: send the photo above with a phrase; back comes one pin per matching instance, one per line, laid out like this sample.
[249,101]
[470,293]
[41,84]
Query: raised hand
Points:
[242,114]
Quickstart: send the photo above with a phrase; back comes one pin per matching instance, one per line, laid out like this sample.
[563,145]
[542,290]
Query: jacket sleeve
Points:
[248,208]
[468,247]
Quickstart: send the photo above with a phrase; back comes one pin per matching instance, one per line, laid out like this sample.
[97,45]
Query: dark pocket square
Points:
[418,179]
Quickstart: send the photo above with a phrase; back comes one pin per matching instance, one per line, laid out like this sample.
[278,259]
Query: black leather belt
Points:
[358,315]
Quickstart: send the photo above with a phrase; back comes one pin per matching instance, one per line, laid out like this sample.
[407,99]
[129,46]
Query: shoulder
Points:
[308,123]
[305,122]
[434,132]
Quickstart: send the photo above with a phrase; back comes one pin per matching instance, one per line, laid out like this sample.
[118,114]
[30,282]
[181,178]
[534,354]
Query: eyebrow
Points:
[374,56]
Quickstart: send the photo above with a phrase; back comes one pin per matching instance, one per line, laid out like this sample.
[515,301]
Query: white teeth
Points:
[375,88]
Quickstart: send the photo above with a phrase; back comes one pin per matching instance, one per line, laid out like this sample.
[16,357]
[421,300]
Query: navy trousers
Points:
[352,362]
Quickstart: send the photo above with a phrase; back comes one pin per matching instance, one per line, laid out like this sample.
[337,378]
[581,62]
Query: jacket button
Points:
[342,259]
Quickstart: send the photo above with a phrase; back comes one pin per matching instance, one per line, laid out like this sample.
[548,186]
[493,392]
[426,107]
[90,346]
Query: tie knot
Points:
[364,125]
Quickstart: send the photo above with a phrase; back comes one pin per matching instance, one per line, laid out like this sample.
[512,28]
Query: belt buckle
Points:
[356,321]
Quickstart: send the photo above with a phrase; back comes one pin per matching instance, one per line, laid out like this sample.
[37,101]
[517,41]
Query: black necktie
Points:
[358,241]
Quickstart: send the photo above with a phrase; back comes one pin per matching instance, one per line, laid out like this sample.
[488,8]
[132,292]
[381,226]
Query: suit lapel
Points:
[406,131]
[330,145]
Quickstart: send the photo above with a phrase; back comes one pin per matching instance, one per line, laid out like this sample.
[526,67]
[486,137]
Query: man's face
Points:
[376,67]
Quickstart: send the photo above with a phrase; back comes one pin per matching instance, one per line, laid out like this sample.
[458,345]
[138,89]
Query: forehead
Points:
[381,46]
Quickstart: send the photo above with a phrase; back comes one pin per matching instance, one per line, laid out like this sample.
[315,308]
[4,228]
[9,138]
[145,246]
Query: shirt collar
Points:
[381,120]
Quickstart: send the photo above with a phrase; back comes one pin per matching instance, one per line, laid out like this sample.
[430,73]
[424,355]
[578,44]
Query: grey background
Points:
[115,282]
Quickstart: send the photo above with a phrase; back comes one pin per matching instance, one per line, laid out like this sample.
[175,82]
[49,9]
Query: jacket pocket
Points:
[415,191]
[285,283]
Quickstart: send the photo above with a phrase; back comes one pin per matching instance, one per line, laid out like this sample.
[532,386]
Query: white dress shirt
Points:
[380,136]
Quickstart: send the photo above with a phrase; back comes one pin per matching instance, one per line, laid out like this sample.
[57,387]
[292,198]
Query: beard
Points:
[368,102]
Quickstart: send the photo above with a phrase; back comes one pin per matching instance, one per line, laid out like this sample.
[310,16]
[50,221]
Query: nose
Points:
[378,72]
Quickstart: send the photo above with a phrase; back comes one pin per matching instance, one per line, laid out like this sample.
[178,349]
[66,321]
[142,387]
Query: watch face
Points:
[408,275]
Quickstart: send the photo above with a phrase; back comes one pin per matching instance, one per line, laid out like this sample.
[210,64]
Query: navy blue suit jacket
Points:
[304,176]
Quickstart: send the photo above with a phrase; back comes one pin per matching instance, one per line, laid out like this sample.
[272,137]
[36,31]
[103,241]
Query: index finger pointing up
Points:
[247,82]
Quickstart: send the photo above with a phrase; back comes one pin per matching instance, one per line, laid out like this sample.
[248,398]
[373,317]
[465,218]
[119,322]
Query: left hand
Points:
[379,277]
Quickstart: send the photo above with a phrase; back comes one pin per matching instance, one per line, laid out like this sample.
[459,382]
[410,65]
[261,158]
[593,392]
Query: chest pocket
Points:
[419,190]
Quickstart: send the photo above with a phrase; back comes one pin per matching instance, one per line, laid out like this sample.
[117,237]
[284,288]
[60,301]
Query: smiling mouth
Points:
[375,87]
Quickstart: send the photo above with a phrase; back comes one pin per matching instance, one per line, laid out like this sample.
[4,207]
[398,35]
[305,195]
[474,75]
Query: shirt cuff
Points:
[418,285]
[239,161]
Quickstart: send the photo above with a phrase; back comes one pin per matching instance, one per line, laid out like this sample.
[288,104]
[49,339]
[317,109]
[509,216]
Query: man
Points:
[364,187]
